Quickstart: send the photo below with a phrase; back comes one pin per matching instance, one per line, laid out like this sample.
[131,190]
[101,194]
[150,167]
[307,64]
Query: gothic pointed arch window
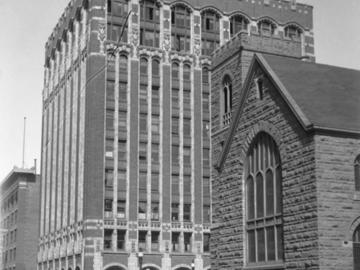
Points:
[293,32]
[266,27]
[357,173]
[226,100]
[356,248]
[263,201]
[237,24]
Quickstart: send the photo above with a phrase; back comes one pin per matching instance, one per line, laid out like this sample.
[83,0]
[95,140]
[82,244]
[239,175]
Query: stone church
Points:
[286,183]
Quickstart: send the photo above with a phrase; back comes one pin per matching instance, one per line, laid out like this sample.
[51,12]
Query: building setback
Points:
[286,188]
[19,197]
[126,123]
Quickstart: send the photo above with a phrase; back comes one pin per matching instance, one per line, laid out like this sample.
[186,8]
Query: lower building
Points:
[19,195]
[286,192]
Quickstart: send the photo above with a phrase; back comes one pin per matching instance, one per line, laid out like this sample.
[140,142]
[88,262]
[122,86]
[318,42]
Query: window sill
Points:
[273,266]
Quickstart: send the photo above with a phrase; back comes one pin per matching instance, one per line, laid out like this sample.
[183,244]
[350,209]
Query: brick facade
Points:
[104,167]
[20,219]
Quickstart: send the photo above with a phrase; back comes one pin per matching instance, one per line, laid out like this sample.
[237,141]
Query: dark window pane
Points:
[251,246]
[279,242]
[155,68]
[250,198]
[261,245]
[278,190]
[259,196]
[270,238]
[269,193]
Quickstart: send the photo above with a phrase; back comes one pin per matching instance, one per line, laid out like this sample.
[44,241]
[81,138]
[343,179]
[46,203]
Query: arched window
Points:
[123,64]
[186,72]
[356,248]
[357,173]
[226,100]
[238,23]
[210,31]
[266,28]
[77,268]
[143,66]
[175,71]
[180,28]
[205,75]
[155,67]
[263,201]
[149,23]
[293,32]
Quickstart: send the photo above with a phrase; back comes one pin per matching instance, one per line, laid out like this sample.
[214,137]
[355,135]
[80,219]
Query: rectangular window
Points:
[175,241]
[187,127]
[155,182]
[187,100]
[175,98]
[122,151]
[108,205]
[155,96]
[206,242]
[155,125]
[206,213]
[155,153]
[122,95]
[109,148]
[187,156]
[108,239]
[143,123]
[122,120]
[109,178]
[155,241]
[110,114]
[175,184]
[143,182]
[187,212]
[121,208]
[121,240]
[175,154]
[110,90]
[175,212]
[175,126]
[187,184]
[154,210]
[143,153]
[187,242]
[142,240]
[142,209]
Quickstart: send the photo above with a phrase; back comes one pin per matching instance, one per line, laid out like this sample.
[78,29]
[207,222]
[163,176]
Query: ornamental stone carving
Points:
[135,36]
[197,47]
[102,36]
[167,42]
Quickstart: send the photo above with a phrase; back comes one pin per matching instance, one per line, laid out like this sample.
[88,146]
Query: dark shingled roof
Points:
[328,96]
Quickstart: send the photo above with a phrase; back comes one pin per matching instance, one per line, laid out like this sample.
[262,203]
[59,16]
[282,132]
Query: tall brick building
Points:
[287,179]
[19,200]
[126,123]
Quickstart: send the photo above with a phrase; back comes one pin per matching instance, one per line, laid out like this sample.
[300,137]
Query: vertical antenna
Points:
[23,154]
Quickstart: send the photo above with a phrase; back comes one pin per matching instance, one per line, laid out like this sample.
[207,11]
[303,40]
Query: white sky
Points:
[25,26]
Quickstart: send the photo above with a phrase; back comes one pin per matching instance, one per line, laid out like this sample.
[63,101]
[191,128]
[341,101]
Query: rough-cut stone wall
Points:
[297,149]
[338,206]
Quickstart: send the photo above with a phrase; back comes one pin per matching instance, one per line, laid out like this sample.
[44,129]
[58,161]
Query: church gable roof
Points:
[328,96]
[322,97]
